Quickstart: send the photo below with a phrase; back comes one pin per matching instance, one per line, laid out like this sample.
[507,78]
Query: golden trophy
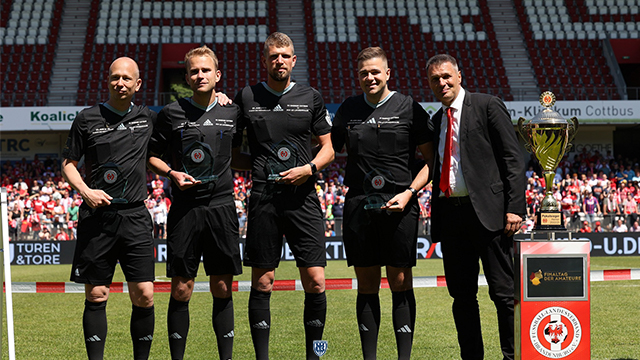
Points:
[547,136]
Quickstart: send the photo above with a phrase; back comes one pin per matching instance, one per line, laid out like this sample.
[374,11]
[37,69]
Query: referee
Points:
[114,224]
[381,130]
[280,116]
[195,134]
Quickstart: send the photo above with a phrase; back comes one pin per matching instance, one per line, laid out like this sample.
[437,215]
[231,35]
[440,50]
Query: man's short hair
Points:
[279,40]
[201,51]
[371,53]
[440,59]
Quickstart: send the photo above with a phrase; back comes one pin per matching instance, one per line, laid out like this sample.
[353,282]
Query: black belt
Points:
[456,200]
[125,206]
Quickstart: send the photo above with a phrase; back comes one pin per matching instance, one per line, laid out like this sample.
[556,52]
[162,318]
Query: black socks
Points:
[260,322]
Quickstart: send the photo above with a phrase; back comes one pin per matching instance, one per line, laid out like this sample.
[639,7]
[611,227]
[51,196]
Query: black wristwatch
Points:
[169,172]
[414,192]
[314,168]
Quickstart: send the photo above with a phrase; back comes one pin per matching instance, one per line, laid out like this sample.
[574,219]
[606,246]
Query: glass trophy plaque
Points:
[379,188]
[109,179]
[284,156]
[197,161]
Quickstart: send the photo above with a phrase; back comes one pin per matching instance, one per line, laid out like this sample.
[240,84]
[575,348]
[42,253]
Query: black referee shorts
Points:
[110,234]
[207,231]
[380,237]
[297,217]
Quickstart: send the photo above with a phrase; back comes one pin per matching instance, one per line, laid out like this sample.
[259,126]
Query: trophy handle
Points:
[573,128]
[524,136]
[520,127]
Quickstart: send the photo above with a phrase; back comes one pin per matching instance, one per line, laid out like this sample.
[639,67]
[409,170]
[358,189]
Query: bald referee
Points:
[381,129]
[280,117]
[114,224]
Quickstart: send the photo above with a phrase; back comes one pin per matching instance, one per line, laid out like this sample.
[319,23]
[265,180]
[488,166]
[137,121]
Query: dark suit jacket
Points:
[491,160]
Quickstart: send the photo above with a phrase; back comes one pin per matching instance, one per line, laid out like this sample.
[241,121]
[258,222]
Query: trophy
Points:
[379,188]
[197,161]
[284,156]
[547,137]
[109,179]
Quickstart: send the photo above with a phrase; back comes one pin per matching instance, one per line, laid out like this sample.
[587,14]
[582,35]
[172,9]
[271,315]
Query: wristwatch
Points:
[414,192]
[314,168]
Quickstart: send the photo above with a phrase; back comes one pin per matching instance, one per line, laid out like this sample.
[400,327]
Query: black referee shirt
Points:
[103,136]
[179,125]
[270,118]
[383,137]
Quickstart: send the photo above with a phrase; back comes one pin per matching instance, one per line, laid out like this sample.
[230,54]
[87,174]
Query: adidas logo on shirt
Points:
[277,108]
[121,127]
[371,121]
[93,338]
[262,325]
[146,338]
[207,123]
[175,336]
[404,329]
[315,323]
[230,334]
[363,328]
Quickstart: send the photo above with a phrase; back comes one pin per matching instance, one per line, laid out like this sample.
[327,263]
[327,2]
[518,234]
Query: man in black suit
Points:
[478,202]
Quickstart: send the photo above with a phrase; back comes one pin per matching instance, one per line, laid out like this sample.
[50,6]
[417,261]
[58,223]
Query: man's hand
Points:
[223,99]
[96,198]
[513,223]
[295,176]
[183,180]
[398,202]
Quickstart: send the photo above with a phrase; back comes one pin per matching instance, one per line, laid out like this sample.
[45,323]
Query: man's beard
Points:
[277,77]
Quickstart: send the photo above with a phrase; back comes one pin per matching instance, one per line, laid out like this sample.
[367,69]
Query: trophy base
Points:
[549,221]
[274,177]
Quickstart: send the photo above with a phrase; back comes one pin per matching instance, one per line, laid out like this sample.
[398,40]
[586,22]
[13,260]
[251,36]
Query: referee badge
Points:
[379,187]
[378,182]
[284,153]
[284,156]
[319,347]
[197,156]
[197,161]
[108,178]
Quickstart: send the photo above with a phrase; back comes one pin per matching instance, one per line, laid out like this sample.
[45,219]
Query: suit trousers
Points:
[465,241]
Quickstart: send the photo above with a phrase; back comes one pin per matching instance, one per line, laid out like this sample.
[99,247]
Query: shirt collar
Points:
[207,108]
[277,93]
[116,111]
[381,102]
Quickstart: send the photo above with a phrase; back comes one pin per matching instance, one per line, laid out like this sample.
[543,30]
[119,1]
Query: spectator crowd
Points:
[595,193]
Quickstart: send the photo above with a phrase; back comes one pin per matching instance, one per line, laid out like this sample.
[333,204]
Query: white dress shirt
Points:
[458,185]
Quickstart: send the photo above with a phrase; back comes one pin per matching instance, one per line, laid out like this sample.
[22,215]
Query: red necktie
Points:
[445,184]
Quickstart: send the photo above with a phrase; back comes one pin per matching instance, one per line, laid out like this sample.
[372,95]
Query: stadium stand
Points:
[410,32]
[232,28]
[29,33]
[564,42]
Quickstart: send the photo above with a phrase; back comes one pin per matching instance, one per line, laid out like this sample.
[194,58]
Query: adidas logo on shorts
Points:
[175,336]
[230,334]
[363,328]
[146,338]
